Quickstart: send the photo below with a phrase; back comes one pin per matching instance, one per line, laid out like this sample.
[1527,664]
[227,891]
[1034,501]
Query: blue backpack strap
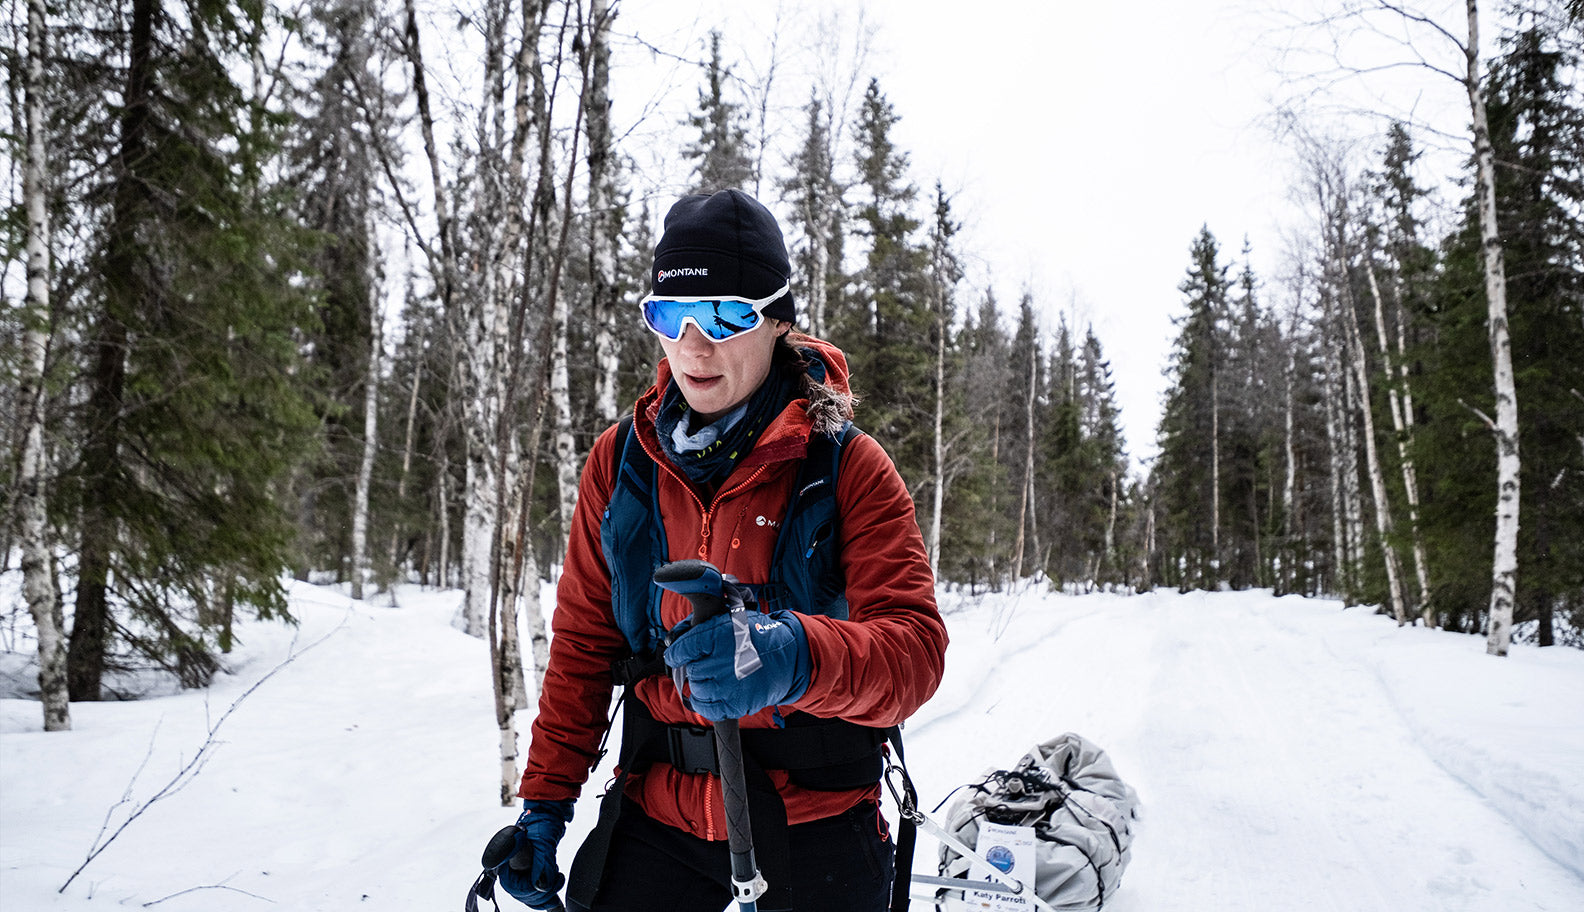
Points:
[806,573]
[632,536]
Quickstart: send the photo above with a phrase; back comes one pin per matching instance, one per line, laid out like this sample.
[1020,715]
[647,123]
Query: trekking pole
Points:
[700,583]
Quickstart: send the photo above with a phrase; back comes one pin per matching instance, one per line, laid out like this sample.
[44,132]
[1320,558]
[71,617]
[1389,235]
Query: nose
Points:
[695,342]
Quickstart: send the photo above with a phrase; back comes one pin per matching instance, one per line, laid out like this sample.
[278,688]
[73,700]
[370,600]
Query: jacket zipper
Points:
[709,515]
[706,514]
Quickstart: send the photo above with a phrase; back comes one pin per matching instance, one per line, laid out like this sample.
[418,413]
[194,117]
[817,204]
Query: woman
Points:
[715,452]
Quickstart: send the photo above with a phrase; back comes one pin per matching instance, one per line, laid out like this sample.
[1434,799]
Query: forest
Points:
[279,307]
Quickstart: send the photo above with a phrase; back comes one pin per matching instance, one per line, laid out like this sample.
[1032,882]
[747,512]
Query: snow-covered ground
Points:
[1290,755]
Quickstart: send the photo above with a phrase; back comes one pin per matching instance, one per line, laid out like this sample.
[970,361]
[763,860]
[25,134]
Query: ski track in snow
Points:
[1288,755]
[1275,773]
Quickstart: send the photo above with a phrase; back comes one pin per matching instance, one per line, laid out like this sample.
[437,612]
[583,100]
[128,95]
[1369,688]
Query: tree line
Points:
[1344,427]
[306,299]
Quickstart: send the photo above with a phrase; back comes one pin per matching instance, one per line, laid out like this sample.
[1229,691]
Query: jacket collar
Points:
[827,403]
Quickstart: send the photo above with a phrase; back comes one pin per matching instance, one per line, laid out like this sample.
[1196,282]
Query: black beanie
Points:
[724,244]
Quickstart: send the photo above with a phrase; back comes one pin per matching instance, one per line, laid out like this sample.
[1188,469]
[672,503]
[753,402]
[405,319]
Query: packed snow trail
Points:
[1289,756]
[1275,772]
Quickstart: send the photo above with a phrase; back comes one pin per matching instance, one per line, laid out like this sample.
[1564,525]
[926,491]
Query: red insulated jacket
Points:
[875,668]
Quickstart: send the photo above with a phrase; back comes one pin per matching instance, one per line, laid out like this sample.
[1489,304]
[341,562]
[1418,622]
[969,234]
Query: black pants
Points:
[840,864]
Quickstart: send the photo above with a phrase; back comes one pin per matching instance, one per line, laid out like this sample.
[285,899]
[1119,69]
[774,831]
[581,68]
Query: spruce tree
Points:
[194,410]
[724,160]
[1188,470]
[975,525]
[1537,128]
[1101,502]
[887,327]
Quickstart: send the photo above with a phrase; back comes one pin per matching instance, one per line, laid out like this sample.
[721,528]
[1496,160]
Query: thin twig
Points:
[1482,416]
[219,886]
[190,770]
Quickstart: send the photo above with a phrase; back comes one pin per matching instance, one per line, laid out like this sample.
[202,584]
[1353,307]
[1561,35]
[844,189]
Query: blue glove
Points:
[530,875]
[737,663]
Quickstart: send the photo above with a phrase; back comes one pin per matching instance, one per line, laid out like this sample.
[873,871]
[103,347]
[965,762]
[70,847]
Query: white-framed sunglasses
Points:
[717,317]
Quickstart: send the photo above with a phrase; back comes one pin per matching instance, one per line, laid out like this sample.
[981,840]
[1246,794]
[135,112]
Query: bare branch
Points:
[1482,417]
[218,886]
[190,770]
[1424,20]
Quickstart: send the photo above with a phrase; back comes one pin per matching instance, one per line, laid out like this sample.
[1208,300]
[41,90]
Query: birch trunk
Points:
[603,225]
[1504,569]
[520,573]
[819,289]
[1149,545]
[1397,396]
[443,507]
[566,455]
[38,579]
[478,539]
[1215,478]
[360,505]
[1290,482]
[1353,492]
[1366,412]
[538,636]
[474,369]
[939,497]
[1334,390]
[1025,507]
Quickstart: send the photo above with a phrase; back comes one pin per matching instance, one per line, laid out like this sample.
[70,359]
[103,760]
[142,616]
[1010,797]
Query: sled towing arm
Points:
[700,582]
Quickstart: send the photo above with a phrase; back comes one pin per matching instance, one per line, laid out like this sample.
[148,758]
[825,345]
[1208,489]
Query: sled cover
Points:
[1083,817]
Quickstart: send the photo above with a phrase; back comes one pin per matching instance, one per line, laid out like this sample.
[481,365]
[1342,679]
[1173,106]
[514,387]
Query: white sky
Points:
[1083,147]
[1084,143]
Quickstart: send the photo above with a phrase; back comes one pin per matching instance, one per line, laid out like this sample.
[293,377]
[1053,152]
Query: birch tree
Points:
[371,388]
[1332,197]
[604,221]
[1028,345]
[1400,194]
[1404,24]
[944,275]
[38,578]
[1504,427]
[1372,460]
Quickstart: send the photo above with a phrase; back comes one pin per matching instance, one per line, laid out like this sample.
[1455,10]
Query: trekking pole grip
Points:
[700,582]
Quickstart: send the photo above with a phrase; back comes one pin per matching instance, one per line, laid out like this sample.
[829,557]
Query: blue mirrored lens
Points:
[719,320]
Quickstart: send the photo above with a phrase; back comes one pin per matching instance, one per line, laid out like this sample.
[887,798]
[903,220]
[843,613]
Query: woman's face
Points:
[716,377]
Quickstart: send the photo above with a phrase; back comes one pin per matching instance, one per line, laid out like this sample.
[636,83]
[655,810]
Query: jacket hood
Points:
[826,387]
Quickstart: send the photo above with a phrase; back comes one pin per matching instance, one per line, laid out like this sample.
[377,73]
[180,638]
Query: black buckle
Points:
[692,749]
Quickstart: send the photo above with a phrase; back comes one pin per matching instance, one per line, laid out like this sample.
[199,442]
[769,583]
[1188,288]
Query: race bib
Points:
[1011,850]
